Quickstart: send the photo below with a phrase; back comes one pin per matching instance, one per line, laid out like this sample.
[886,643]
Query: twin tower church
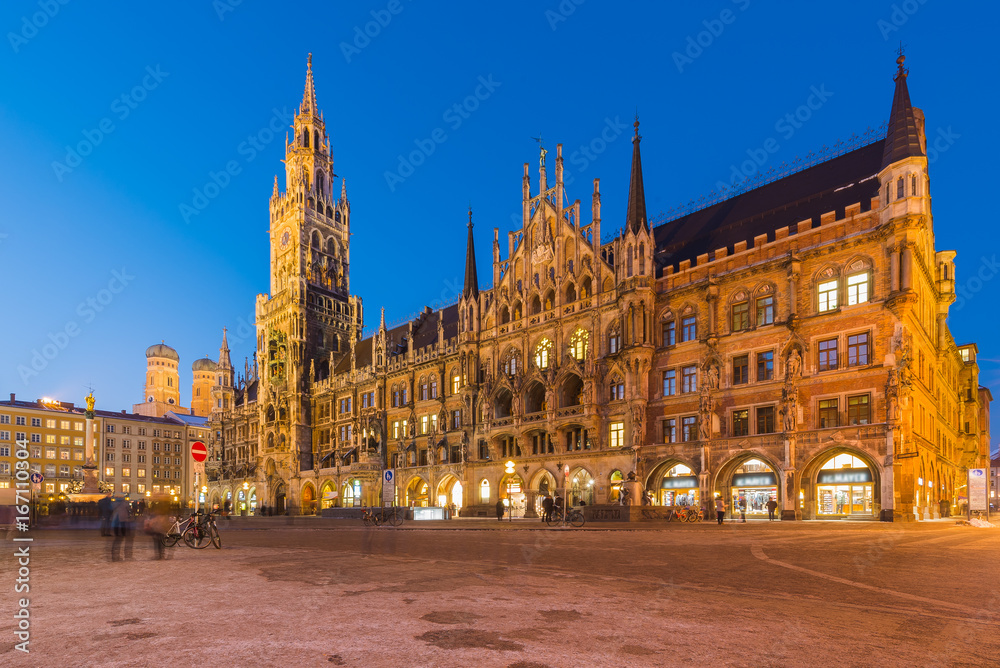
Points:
[788,343]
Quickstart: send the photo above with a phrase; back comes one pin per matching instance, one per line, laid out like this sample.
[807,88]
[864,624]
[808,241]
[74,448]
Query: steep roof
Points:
[829,186]
[635,217]
[425,327]
[902,140]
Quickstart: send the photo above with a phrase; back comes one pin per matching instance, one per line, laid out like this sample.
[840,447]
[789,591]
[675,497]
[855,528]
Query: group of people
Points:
[741,505]
[119,517]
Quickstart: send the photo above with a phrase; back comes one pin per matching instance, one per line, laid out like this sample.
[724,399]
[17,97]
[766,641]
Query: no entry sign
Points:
[198,451]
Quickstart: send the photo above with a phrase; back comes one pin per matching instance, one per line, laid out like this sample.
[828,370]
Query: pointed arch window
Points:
[614,339]
[913,185]
[616,389]
[578,344]
[542,351]
[628,262]
[900,188]
[642,259]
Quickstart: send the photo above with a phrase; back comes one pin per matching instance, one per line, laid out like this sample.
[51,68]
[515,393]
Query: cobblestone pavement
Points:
[445,594]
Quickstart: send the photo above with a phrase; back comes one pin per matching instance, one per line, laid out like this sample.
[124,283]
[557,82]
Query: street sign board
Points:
[37,477]
[977,489]
[388,488]
[198,451]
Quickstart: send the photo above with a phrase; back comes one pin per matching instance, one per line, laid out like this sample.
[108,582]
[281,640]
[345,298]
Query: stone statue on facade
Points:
[712,375]
[789,396]
[793,365]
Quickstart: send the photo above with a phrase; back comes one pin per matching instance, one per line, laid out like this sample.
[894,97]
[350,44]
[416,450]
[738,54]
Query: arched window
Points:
[517,311]
[484,491]
[510,362]
[899,188]
[456,381]
[395,396]
[316,139]
[170,381]
[434,387]
[542,351]
[578,343]
[614,339]
[642,259]
[423,388]
[305,138]
[913,185]
[550,299]
[628,262]
[504,315]
[570,293]
[536,305]
[585,288]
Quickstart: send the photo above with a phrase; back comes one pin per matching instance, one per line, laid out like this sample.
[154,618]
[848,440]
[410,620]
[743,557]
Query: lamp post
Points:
[246,497]
[565,490]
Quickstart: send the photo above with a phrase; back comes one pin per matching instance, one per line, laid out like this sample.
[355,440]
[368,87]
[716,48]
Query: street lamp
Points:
[509,470]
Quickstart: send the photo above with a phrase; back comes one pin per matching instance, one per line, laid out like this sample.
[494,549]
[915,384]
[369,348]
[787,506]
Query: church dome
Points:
[162,350]
[204,364]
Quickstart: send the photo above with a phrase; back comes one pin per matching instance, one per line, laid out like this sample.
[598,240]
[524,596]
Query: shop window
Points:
[741,316]
[689,428]
[828,354]
[765,420]
[689,379]
[857,350]
[669,333]
[828,413]
[689,330]
[741,422]
[669,382]
[858,409]
[827,296]
[765,311]
[765,365]
[616,434]
[741,369]
[670,430]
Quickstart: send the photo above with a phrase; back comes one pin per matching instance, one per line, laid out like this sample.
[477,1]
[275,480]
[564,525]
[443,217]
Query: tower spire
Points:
[309,105]
[636,216]
[902,137]
[224,361]
[471,281]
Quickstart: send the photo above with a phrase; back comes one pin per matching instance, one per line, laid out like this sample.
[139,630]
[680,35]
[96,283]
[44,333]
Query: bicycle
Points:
[203,533]
[574,517]
[177,530]
[685,514]
[391,516]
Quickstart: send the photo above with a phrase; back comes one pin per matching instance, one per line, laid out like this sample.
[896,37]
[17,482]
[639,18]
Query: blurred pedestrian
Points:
[104,506]
[742,503]
[121,526]
[547,505]
[772,505]
[156,524]
[500,510]
[720,509]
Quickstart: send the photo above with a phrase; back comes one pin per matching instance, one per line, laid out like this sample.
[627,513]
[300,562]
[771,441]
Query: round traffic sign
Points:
[388,475]
[198,451]
[37,477]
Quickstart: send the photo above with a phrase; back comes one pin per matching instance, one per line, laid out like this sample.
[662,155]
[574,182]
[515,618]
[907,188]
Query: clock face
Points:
[285,237]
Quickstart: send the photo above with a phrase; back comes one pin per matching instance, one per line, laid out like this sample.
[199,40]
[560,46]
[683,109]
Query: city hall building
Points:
[788,342]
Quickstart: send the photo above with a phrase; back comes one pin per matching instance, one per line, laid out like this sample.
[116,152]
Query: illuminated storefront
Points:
[352,493]
[844,487]
[512,487]
[678,487]
[754,483]
[581,488]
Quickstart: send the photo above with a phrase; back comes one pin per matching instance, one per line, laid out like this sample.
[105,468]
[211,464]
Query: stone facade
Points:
[788,343]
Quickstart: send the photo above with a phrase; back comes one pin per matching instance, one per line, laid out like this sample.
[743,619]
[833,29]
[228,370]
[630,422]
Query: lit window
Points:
[827,296]
[484,491]
[857,288]
[741,422]
[109,472]
[542,354]
[578,343]
[617,434]
[670,430]
[456,384]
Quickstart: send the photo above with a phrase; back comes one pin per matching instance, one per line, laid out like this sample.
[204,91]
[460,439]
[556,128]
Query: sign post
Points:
[565,491]
[388,488]
[978,482]
[198,453]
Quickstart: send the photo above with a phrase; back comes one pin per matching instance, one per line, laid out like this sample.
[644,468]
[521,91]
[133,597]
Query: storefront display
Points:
[753,485]
[844,487]
[678,487]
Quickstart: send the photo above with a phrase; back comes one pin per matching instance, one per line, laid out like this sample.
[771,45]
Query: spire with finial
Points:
[343,190]
[902,137]
[471,280]
[309,105]
[274,192]
[224,361]
[636,216]
[382,323]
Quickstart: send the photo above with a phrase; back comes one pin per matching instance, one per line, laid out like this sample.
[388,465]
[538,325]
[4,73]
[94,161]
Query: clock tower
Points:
[309,319]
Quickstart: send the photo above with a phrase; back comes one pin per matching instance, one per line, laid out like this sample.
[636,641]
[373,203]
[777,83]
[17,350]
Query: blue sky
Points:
[166,94]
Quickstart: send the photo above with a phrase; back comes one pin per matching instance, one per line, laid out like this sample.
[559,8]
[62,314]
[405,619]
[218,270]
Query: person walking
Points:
[742,503]
[720,509]
[104,510]
[156,524]
[772,505]
[121,526]
[547,505]
[500,510]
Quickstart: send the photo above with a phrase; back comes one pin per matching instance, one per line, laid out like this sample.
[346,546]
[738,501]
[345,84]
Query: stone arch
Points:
[326,496]
[549,301]
[586,287]
[807,478]
[570,293]
[535,305]
[315,240]
[571,391]
[722,478]
[534,397]
[269,413]
[417,492]
[608,285]
[503,403]
[308,504]
[581,486]
[450,490]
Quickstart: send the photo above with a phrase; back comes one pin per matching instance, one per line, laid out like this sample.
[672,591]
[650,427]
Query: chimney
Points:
[123,411]
[11,397]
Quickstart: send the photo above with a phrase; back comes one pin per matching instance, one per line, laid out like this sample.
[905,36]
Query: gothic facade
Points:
[788,343]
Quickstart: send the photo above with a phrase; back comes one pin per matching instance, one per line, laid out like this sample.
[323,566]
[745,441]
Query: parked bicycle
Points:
[686,514]
[574,517]
[378,517]
[203,533]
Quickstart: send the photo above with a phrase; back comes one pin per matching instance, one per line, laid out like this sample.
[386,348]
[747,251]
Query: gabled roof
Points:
[829,186]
